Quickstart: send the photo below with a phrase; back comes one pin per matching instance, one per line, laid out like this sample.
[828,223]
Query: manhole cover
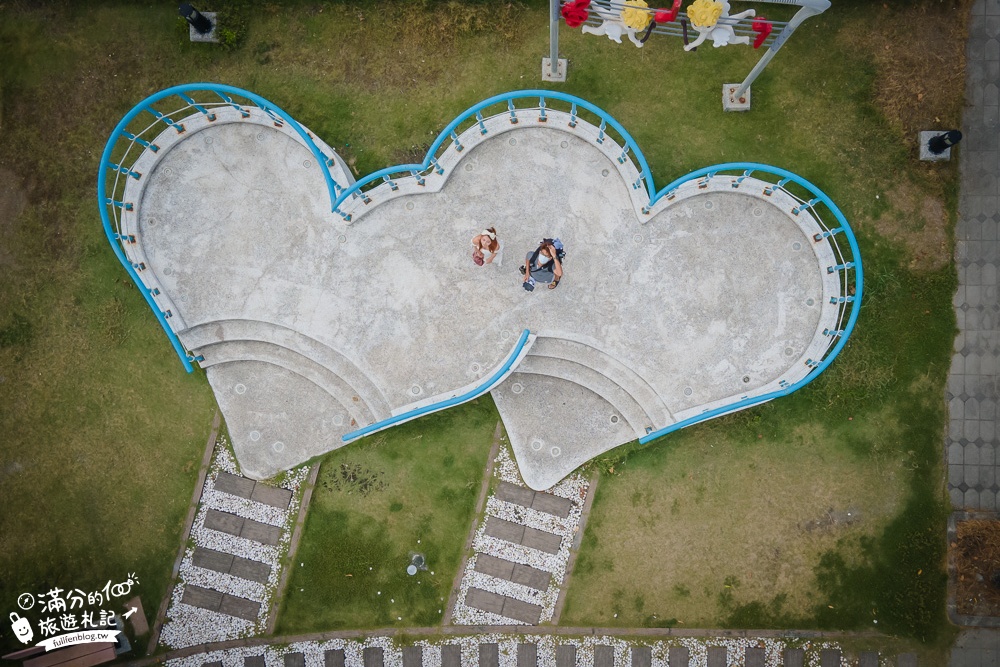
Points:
[555,451]
[307,163]
[796,246]
[255,435]
[564,144]
[416,390]
[516,388]
[536,445]
[614,419]
[512,141]
[240,388]
[688,391]
[278,446]
[409,206]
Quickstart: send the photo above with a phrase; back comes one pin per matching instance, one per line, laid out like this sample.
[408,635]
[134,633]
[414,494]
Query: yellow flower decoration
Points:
[704,13]
[634,14]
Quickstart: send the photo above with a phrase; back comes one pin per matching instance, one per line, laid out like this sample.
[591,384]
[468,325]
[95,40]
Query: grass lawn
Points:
[409,490]
[102,430]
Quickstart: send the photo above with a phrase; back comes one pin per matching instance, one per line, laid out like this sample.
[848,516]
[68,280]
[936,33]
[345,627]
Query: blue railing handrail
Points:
[858,281]
[447,403]
[497,99]
[117,134]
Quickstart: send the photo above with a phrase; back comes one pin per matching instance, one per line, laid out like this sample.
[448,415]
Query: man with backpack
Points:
[544,264]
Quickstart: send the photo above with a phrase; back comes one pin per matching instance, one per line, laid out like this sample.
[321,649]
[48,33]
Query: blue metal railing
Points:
[447,403]
[113,203]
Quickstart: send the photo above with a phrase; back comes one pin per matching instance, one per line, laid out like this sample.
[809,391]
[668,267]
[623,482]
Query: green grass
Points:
[102,430]
[409,490]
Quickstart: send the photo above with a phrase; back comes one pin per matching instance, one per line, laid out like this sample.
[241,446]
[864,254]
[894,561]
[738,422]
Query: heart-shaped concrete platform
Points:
[313,325]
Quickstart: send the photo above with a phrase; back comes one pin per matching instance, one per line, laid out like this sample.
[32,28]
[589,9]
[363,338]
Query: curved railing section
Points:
[506,368]
[136,134]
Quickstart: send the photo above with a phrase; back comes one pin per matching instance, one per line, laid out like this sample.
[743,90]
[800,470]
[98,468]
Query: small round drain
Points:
[564,144]
[168,171]
[516,388]
[209,140]
[688,391]
[475,368]
[342,238]
[796,246]
[746,379]
[709,204]
[789,351]
[637,238]
[338,420]
[512,141]
[307,164]
[240,389]
[604,173]
[536,445]
[468,167]
[278,446]
[151,222]
[416,390]
[505,335]
[614,419]
[167,271]
[409,206]
[757,212]
[255,435]
[810,302]
[555,451]
[260,136]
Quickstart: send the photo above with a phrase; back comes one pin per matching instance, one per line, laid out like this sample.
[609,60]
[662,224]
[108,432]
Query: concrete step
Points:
[587,355]
[327,380]
[585,376]
[197,337]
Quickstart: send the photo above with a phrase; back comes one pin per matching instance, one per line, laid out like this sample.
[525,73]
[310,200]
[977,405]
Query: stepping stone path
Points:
[521,550]
[240,533]
[513,650]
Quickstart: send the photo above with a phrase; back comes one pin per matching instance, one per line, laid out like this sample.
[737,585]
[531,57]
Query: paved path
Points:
[973,394]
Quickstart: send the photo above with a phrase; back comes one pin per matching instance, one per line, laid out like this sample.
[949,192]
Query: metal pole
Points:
[809,8]
[554,38]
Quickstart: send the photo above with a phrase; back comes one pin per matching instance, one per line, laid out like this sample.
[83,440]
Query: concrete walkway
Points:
[973,393]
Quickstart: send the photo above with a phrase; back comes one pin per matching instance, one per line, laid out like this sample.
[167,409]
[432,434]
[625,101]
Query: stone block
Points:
[541,540]
[254,661]
[794,657]
[451,655]
[521,611]
[373,656]
[754,656]
[203,598]
[829,657]
[504,530]
[604,656]
[566,655]
[239,607]
[678,656]
[295,660]
[489,655]
[234,484]
[253,570]
[550,504]
[642,656]
[334,658]
[867,659]
[527,656]
[484,600]
[261,532]
[512,493]
[413,656]
[271,495]
[906,660]
[717,656]
[531,577]
[224,522]
[495,567]
[140,625]
[212,560]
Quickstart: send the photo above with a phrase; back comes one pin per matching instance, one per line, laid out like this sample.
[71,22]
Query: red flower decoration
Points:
[763,28]
[664,16]
[576,12]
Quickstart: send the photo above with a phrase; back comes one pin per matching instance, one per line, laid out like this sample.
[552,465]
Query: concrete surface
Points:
[312,327]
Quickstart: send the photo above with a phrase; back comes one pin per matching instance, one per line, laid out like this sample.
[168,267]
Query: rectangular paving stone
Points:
[244,568]
[504,530]
[906,660]
[253,661]
[829,657]
[512,493]
[495,567]
[334,658]
[541,540]
[271,495]
[867,659]
[239,607]
[489,655]
[795,657]
[527,655]
[521,611]
[566,655]
[484,600]
[212,560]
[642,656]
[604,656]
[451,655]
[678,656]
[216,663]
[550,504]
[531,577]
[224,522]
[295,660]
[755,657]
[413,656]
[717,656]
[203,598]
[234,484]
[373,656]
[261,532]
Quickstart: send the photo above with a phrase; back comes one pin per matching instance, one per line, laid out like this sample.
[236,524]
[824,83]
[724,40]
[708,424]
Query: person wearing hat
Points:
[486,247]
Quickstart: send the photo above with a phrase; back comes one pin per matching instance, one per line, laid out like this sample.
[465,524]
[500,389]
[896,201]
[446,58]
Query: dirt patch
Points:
[917,220]
[13,199]
[978,563]
[918,50]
